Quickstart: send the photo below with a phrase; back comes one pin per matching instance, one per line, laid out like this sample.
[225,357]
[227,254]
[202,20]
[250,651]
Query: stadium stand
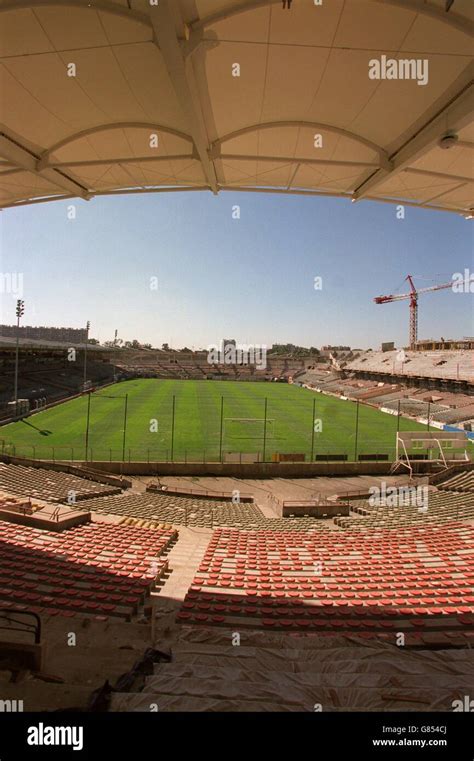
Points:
[202,513]
[442,507]
[86,569]
[460,482]
[48,485]
[449,364]
[268,578]
[196,365]
[317,614]
[49,378]
[179,510]
[443,406]
[318,604]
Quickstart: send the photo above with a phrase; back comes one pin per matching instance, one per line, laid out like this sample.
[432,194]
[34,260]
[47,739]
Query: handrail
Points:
[159,488]
[24,626]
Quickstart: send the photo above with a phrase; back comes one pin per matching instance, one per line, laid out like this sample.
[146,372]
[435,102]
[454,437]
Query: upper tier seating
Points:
[449,364]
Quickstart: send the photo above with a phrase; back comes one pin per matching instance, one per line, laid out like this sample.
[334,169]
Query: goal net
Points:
[440,446]
[248,428]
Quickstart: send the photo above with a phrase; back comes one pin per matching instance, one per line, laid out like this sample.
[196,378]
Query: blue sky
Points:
[251,278]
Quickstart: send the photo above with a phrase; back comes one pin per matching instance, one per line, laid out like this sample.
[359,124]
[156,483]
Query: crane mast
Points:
[412,296]
[413,313]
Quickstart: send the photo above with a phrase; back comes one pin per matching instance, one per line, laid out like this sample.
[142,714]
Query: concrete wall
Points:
[257,469]
[315,511]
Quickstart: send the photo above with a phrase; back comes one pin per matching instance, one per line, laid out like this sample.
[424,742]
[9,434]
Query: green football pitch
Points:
[187,420]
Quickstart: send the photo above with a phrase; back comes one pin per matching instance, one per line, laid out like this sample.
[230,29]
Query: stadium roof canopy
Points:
[9,343]
[101,97]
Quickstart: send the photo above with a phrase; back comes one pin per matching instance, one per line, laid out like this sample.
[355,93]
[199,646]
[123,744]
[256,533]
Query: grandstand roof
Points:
[9,342]
[167,70]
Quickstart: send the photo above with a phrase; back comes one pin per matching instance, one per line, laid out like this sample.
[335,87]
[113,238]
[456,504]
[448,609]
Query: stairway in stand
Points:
[184,560]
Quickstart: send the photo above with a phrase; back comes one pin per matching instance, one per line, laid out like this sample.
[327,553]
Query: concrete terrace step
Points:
[166,672]
[237,697]
[348,660]
[42,696]
[298,640]
[141,703]
[184,559]
[321,652]
[297,693]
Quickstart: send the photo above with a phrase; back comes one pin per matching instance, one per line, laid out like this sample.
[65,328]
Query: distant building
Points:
[448,344]
[62,335]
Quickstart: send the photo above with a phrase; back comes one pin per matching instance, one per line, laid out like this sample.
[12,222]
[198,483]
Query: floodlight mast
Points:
[88,325]
[20,311]
[413,297]
[115,355]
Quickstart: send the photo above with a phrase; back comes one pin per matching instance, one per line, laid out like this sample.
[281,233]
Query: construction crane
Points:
[413,296]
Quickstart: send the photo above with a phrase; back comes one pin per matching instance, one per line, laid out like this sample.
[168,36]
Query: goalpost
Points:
[441,446]
[248,428]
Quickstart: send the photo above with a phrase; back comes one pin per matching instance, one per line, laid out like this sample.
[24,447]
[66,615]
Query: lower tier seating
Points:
[463,481]
[49,485]
[94,568]
[189,511]
[441,506]
[415,579]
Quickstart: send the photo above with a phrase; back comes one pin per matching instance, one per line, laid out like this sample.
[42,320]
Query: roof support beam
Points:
[30,201]
[455,20]
[440,175]
[116,161]
[168,189]
[9,172]
[44,161]
[456,115]
[347,196]
[292,177]
[104,6]
[24,159]
[284,191]
[300,124]
[445,192]
[181,73]
[118,192]
[216,154]
[461,23]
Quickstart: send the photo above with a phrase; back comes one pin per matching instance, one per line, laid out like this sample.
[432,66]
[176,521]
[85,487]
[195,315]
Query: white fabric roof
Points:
[166,70]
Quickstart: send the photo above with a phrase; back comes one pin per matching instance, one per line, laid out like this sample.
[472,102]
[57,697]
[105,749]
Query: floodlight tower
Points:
[115,354]
[85,353]
[20,311]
